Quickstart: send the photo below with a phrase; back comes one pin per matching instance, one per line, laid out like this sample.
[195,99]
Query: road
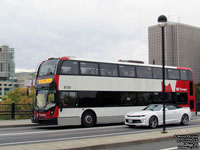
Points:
[39,134]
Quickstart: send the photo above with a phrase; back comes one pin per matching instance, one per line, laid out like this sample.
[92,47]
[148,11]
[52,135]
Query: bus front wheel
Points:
[88,119]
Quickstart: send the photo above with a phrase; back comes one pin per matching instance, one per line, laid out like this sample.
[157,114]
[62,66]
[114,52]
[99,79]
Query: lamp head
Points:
[162,19]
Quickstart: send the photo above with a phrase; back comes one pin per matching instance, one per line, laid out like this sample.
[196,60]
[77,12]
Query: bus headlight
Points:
[51,112]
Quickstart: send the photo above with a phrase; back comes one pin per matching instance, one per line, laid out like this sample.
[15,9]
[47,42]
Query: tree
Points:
[21,99]
[197,96]
[19,96]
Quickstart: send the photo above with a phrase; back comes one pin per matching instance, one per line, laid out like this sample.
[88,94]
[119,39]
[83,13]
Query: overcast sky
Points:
[90,29]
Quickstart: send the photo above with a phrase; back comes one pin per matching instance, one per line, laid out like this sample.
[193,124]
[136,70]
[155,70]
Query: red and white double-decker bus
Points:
[82,92]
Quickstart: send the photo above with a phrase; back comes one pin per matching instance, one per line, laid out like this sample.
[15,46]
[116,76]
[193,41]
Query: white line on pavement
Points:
[172,148]
[71,138]
[57,131]
[94,128]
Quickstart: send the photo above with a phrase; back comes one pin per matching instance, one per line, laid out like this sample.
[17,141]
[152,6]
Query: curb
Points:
[121,144]
[113,145]
[20,125]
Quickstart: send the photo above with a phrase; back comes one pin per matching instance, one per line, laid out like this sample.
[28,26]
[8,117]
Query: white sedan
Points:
[152,116]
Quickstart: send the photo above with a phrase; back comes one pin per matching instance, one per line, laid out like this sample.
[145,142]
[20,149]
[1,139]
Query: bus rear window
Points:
[189,75]
[48,68]
[183,74]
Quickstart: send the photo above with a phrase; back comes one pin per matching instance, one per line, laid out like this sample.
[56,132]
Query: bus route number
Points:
[67,87]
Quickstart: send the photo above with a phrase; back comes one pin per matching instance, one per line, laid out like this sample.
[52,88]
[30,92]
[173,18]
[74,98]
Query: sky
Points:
[90,29]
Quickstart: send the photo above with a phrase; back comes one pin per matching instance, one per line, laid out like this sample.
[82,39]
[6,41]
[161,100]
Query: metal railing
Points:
[15,111]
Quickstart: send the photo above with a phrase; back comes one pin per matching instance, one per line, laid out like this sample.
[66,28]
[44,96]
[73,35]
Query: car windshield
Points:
[153,107]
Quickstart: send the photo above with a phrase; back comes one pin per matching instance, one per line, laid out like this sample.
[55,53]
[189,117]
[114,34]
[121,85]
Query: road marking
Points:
[40,132]
[75,138]
[57,131]
[71,138]
[172,148]
[94,128]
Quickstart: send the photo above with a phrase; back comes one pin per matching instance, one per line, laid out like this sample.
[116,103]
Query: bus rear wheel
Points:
[88,119]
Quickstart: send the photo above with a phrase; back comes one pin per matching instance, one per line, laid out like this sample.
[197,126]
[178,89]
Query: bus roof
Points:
[120,63]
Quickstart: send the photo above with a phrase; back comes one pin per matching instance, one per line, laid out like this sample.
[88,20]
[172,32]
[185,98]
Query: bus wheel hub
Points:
[88,119]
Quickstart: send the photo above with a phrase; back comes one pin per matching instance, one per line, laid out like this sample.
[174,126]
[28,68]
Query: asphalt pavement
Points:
[97,142]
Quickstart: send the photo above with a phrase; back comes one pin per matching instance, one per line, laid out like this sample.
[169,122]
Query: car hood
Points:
[143,112]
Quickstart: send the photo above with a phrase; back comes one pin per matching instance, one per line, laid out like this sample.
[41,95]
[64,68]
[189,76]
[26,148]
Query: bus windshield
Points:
[48,67]
[45,98]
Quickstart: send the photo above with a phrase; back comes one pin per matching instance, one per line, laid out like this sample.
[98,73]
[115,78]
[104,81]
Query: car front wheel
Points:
[185,120]
[153,122]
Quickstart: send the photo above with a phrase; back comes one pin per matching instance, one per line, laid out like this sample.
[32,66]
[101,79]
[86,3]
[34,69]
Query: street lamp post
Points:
[162,20]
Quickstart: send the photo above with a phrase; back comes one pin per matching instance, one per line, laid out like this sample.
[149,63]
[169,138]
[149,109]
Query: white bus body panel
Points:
[93,83]
[72,116]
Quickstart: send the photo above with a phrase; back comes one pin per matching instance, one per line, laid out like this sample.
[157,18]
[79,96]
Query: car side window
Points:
[171,107]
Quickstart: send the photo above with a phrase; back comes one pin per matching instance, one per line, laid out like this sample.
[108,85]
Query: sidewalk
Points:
[14,123]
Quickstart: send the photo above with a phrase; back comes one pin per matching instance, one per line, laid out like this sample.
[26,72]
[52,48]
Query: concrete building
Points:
[7,64]
[25,79]
[182,46]
[7,70]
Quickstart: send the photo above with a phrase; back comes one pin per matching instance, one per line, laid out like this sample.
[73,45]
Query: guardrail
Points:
[15,111]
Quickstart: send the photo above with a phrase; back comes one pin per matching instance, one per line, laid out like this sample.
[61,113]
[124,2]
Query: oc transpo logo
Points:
[181,89]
